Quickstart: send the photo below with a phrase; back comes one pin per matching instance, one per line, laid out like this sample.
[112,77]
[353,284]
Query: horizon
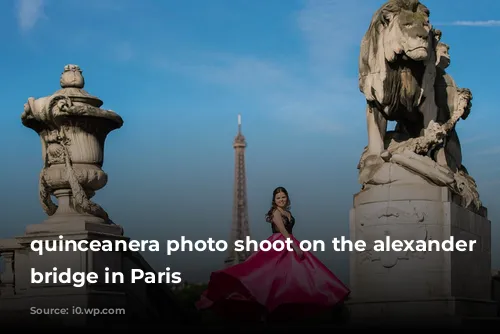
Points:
[179,74]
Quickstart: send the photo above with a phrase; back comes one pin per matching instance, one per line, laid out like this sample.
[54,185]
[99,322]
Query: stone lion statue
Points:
[402,74]
[397,73]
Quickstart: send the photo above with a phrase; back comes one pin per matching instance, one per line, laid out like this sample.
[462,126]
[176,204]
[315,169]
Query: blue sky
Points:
[179,72]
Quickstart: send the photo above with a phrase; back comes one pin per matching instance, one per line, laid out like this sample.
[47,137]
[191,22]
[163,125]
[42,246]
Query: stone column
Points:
[7,276]
[73,127]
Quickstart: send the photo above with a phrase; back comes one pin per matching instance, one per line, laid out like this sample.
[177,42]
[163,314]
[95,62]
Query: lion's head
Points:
[401,27]
[399,30]
[410,29]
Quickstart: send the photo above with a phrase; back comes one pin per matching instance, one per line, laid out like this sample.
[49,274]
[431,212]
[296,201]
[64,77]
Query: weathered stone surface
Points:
[72,128]
[495,287]
[414,183]
[405,281]
[125,302]
[402,75]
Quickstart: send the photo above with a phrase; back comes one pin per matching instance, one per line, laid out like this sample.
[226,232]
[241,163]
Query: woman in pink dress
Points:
[275,284]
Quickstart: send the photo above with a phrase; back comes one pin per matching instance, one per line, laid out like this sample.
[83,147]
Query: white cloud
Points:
[488,23]
[333,30]
[493,150]
[29,13]
[475,138]
[319,94]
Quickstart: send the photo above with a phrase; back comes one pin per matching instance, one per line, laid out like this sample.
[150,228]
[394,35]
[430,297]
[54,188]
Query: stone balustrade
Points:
[495,288]
[8,249]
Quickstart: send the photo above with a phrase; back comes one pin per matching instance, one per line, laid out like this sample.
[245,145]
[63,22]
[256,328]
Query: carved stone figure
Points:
[447,92]
[415,188]
[401,74]
[396,72]
[72,128]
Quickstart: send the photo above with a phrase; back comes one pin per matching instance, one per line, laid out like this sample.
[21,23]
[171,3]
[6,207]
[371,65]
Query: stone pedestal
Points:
[417,285]
[73,128]
[495,289]
[126,303]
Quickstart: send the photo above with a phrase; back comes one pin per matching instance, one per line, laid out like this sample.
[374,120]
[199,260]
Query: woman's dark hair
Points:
[269,214]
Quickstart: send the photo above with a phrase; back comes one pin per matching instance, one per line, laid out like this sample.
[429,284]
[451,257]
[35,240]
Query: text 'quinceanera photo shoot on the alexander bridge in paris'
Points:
[244,166]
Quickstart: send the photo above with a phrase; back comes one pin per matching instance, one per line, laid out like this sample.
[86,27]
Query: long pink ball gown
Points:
[275,283]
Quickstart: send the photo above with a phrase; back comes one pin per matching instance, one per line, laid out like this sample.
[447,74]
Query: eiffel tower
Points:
[239,228]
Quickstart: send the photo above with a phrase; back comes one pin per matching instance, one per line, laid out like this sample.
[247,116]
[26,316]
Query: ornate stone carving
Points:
[390,259]
[401,225]
[72,128]
[402,75]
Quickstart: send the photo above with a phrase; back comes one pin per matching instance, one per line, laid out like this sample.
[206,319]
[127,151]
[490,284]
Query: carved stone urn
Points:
[72,128]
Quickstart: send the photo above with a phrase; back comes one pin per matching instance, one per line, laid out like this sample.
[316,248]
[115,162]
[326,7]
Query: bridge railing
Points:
[8,249]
